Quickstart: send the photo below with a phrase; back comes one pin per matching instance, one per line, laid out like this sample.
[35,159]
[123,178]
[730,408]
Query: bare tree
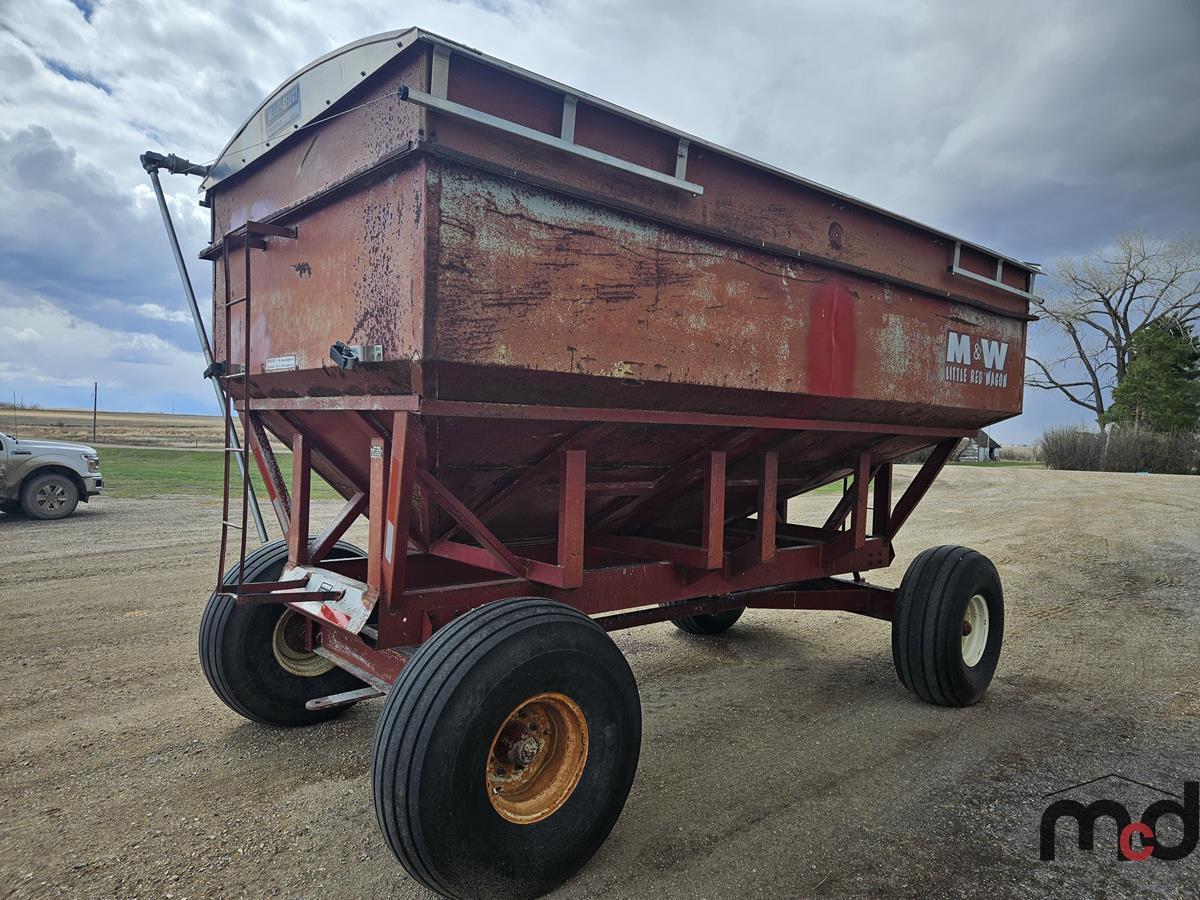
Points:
[1110,296]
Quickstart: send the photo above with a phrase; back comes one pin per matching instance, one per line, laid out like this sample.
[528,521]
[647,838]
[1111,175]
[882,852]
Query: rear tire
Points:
[244,650]
[50,496]
[476,799]
[709,623]
[948,626]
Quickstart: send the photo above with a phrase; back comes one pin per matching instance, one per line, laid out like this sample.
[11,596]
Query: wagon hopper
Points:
[571,364]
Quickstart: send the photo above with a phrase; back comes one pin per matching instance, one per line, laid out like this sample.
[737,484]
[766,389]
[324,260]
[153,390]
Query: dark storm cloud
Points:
[1038,129]
[81,239]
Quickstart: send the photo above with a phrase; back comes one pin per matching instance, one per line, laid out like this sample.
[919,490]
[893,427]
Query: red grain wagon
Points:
[571,364]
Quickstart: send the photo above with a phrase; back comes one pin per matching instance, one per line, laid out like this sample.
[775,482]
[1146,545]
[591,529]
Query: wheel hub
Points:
[287,643]
[974,630]
[536,758]
[51,496]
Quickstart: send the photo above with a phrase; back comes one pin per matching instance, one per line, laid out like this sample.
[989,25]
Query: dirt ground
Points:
[782,759]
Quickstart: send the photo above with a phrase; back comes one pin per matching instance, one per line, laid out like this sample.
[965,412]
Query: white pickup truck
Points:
[46,479]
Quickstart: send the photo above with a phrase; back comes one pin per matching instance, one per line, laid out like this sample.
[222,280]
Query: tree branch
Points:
[1051,383]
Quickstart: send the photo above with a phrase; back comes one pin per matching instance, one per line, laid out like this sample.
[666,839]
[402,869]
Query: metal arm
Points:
[152,162]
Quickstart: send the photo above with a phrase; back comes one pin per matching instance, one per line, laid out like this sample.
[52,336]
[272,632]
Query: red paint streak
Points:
[340,619]
[830,341]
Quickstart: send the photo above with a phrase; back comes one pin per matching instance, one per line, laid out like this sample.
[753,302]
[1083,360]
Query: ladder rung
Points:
[229,524]
[235,450]
[234,375]
[235,301]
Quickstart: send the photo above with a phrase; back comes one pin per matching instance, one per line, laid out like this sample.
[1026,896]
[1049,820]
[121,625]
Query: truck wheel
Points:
[505,750]
[948,626]
[252,656]
[50,496]
[709,623]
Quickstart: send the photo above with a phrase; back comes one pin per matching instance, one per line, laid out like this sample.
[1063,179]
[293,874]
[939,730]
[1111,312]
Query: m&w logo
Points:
[980,361]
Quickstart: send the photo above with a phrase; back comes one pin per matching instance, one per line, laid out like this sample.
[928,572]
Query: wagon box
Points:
[571,364]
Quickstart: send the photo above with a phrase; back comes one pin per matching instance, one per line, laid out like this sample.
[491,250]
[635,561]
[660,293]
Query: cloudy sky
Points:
[1041,129]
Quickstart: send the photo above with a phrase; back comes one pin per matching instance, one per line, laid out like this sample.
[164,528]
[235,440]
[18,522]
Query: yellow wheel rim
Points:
[287,643]
[537,758]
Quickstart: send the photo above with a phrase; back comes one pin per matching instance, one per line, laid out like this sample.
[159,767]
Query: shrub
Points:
[1122,450]
[1022,452]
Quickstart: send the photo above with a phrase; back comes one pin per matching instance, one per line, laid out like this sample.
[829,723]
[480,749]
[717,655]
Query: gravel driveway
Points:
[780,759]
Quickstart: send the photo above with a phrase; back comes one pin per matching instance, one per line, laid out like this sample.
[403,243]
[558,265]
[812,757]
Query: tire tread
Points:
[431,674]
[920,620]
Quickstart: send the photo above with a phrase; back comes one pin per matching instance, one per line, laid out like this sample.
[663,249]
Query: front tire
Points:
[252,659]
[50,496]
[506,750]
[948,626]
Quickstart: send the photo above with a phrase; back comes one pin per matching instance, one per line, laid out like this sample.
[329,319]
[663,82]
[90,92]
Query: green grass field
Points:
[138,472]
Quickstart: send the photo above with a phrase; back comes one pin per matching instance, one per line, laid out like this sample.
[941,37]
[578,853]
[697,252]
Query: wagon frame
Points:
[488,638]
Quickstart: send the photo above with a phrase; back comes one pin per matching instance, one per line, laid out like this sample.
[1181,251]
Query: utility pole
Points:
[95,397]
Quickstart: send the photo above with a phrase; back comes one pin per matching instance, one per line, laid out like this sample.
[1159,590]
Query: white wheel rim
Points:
[290,658]
[975,630]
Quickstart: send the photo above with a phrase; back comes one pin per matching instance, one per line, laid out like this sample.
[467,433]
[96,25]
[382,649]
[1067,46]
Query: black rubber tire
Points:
[56,480]
[434,736]
[709,623]
[927,629]
[11,507]
[237,659]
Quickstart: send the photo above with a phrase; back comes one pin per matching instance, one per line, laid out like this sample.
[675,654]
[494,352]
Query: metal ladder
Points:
[250,236]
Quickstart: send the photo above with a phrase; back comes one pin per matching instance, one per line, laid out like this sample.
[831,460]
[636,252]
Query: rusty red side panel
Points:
[536,281]
[354,273]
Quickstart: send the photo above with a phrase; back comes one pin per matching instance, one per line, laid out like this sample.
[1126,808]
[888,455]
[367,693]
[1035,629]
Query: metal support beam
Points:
[301,497]
[762,548]
[397,513]
[338,467]
[439,75]
[838,517]
[375,517]
[457,510]
[653,549]
[768,490]
[919,485]
[828,594]
[572,495]
[858,512]
[567,132]
[333,532]
[682,477]
[681,159]
[712,527]
[582,438]
[882,501]
[438,102]
[268,467]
